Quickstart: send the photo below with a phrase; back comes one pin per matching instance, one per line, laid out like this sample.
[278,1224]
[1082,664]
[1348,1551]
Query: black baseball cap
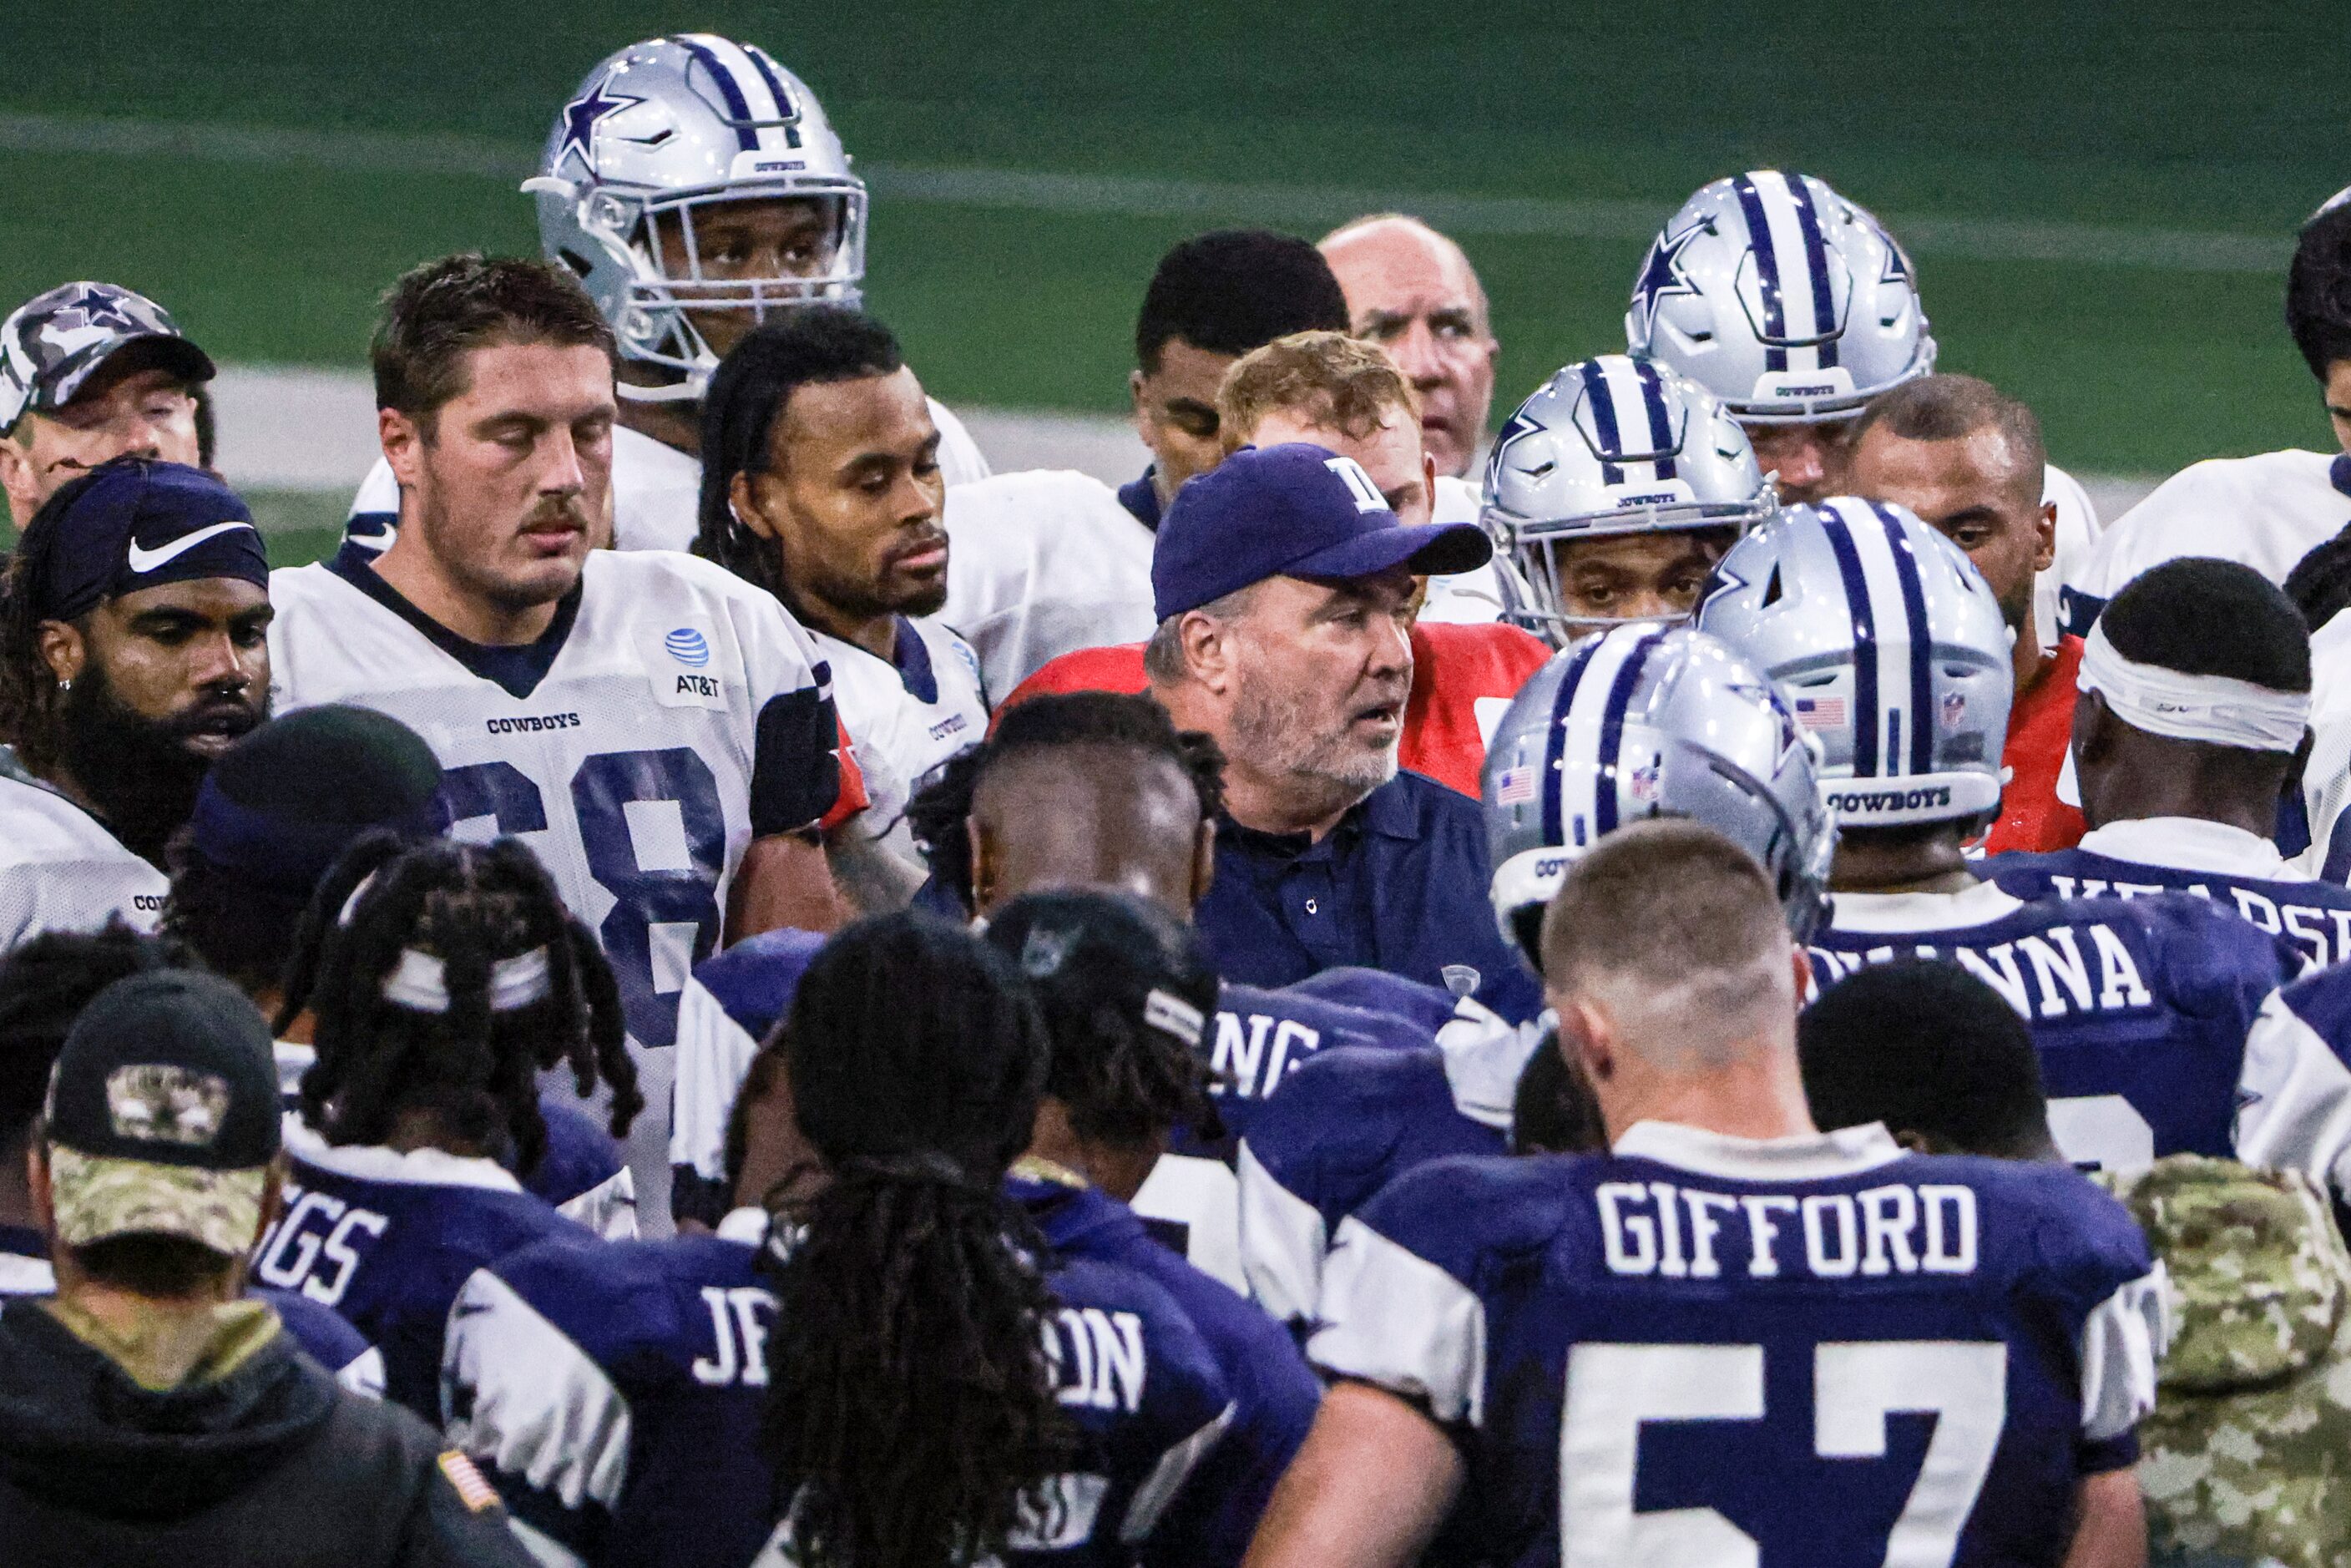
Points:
[162,1114]
[1085,951]
[281,804]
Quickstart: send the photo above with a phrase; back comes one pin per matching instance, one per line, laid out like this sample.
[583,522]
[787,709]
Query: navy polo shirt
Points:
[1140,497]
[1400,884]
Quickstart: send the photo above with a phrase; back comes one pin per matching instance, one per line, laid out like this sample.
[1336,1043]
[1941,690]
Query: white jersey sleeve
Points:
[905,716]
[2266,512]
[961,462]
[60,870]
[713,1056]
[2326,772]
[2077,536]
[2294,1095]
[1043,563]
[1468,598]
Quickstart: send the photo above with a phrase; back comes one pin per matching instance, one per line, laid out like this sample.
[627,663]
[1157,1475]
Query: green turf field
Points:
[2149,116]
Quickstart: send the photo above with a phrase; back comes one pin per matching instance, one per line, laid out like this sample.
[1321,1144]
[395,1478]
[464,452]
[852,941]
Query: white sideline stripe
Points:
[1979,239]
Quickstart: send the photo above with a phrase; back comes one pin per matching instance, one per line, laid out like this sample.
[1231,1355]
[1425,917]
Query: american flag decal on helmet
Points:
[1515,785]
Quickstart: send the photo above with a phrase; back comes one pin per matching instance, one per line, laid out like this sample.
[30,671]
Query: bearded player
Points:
[657,730]
[696,188]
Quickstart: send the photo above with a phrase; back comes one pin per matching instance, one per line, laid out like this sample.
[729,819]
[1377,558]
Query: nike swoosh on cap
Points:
[146,560]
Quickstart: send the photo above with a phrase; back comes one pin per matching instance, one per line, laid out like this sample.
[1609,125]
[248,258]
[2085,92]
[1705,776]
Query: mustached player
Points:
[1640,722]
[1891,649]
[1714,1342]
[654,728]
[696,188]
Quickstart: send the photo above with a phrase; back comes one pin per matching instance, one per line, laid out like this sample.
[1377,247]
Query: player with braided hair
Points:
[934,1385]
[1128,998]
[443,976]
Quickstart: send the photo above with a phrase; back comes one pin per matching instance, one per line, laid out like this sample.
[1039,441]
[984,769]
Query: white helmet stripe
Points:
[1799,312]
[1587,699]
[1899,643]
[744,85]
[1627,396]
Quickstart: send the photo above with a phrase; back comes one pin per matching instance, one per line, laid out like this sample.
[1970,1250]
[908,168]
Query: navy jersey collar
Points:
[516,671]
[912,657]
[1140,497]
[2338,473]
[23,1241]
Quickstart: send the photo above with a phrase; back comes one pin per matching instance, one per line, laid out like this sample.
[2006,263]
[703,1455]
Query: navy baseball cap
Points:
[1292,510]
[137,523]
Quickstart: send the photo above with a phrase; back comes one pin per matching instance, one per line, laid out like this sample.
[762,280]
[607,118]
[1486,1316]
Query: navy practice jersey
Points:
[2138,1008]
[1349,1122]
[1791,1353]
[387,1239]
[2235,870]
[1274,1395]
[615,1394]
[732,1003]
[579,1171]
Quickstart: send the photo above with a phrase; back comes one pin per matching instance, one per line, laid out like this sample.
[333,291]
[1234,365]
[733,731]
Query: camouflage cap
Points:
[53,342]
[162,1114]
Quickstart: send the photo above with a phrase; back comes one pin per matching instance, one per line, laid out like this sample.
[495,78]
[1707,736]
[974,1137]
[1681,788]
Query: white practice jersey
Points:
[670,708]
[905,716]
[2327,776]
[2078,531]
[656,488]
[1043,563]
[60,870]
[2266,511]
[1472,598]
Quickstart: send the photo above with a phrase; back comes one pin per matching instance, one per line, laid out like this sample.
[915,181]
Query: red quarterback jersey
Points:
[1463,678]
[2040,731]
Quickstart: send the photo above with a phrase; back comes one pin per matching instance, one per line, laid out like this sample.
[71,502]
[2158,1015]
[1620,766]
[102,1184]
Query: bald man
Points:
[1411,292]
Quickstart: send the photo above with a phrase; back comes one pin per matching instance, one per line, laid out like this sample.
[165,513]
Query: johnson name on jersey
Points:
[387,1239]
[60,870]
[2138,1008]
[2233,869]
[670,714]
[616,1395]
[1705,1349]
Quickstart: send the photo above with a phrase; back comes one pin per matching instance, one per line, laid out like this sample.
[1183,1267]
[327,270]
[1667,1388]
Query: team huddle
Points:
[1744,983]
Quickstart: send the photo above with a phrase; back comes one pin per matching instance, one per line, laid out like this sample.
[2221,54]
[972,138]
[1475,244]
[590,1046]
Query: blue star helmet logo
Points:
[1519,425]
[582,116]
[1661,274]
[97,307]
[1723,581]
[1898,265]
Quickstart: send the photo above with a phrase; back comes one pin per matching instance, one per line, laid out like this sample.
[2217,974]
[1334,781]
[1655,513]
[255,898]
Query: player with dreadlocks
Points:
[934,1385]
[1128,997]
[444,977]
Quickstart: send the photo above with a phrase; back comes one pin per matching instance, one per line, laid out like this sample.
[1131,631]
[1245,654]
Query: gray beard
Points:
[1275,733]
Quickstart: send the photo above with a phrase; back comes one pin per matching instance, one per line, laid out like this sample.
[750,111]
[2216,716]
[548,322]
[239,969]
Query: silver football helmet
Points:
[1890,649]
[1612,446]
[1650,721]
[1782,299]
[658,134]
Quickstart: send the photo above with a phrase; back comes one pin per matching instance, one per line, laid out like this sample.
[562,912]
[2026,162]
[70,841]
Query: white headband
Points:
[419,982]
[2216,709]
[1176,1016]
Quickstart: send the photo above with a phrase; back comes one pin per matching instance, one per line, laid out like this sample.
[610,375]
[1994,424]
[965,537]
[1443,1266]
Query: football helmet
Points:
[1888,645]
[1612,446]
[1782,299]
[657,134]
[1650,721]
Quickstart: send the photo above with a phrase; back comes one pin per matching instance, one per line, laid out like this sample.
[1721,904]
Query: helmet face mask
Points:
[1611,448]
[1644,722]
[665,142]
[1789,303]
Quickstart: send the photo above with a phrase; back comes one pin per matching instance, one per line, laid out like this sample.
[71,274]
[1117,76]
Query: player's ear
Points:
[403,440]
[2044,537]
[1203,860]
[983,864]
[1799,965]
[1206,651]
[743,500]
[1589,1037]
[64,650]
[1135,393]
